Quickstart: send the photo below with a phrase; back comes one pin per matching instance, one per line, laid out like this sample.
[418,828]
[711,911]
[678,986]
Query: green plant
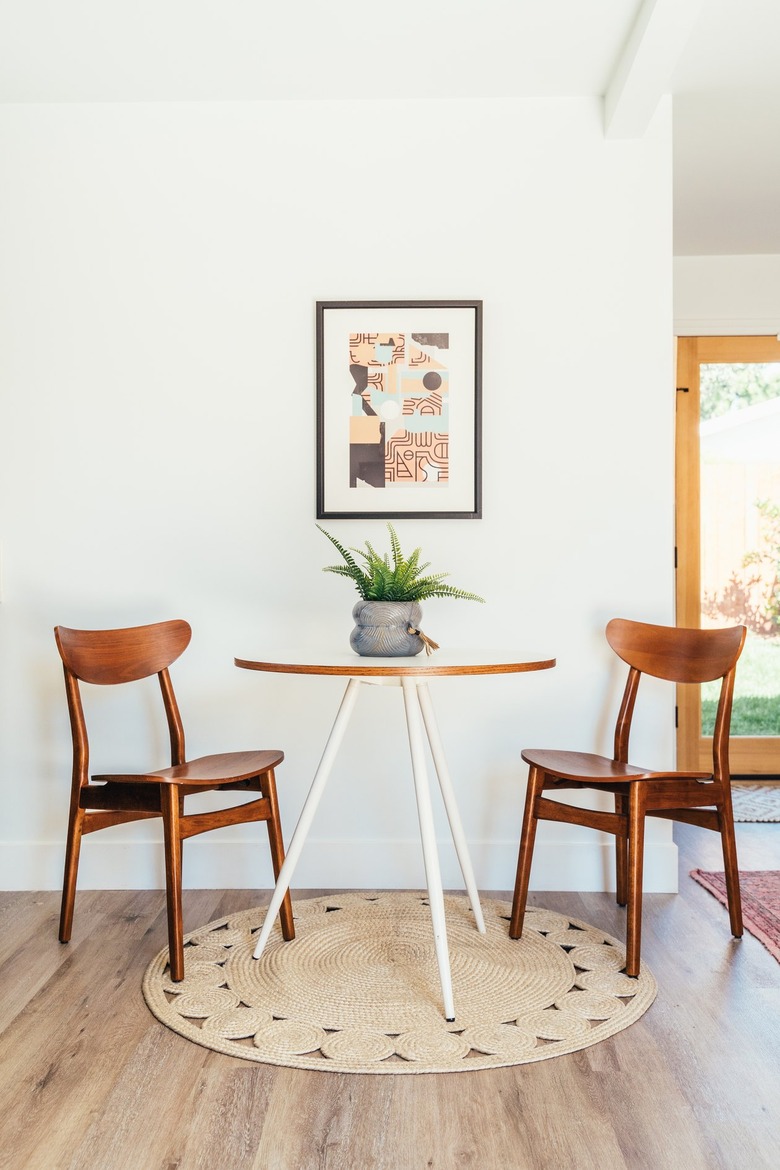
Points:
[401,580]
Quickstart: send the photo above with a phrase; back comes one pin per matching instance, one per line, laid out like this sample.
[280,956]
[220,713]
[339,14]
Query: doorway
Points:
[728,536]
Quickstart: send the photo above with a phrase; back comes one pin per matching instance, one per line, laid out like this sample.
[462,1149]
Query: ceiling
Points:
[718,59]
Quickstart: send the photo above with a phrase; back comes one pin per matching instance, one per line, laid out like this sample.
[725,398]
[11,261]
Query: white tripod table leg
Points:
[448,795]
[308,810]
[428,837]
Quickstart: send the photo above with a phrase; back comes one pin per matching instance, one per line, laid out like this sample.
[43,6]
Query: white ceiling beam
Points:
[643,73]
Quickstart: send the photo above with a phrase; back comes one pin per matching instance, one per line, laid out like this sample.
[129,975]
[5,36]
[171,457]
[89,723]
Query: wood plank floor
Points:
[89,1080]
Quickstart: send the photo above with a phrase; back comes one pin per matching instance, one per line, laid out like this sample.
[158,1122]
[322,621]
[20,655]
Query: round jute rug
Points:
[358,989]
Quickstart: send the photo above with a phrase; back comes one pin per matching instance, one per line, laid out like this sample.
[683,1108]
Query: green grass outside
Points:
[757,694]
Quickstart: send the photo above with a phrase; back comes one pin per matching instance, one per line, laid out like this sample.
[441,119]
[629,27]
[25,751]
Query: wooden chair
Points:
[107,657]
[699,798]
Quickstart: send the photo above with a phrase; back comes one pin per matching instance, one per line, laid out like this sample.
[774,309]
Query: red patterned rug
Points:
[760,902]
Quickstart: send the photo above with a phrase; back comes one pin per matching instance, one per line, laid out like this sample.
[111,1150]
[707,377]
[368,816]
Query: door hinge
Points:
[675,556]
[676,717]
[682,389]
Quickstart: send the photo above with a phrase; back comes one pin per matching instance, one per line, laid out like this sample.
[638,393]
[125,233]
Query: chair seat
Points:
[583,766]
[223,768]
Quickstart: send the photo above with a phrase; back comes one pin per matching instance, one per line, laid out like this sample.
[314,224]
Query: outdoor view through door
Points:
[728,535]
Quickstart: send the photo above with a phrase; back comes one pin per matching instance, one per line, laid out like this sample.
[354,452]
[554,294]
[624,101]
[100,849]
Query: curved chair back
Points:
[106,657]
[674,653]
[677,655]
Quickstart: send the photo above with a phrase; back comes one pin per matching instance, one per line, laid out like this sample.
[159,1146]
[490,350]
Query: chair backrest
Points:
[117,656]
[678,655]
[675,653]
[109,657]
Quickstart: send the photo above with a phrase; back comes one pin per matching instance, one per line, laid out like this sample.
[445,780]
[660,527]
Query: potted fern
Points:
[387,617]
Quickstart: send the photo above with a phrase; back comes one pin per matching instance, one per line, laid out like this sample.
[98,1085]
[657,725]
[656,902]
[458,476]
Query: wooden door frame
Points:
[749,754]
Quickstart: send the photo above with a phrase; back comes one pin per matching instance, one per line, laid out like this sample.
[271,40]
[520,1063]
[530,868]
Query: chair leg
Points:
[276,842]
[525,854]
[636,851]
[621,854]
[728,842]
[169,801]
[181,842]
[72,852]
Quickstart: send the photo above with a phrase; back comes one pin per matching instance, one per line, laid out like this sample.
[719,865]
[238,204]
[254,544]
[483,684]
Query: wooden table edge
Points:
[362,669]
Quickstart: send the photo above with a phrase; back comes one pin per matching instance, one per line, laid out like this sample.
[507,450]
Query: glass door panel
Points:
[729,507]
[739,443]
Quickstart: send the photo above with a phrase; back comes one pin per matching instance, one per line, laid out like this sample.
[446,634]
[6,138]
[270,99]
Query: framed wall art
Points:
[399,409]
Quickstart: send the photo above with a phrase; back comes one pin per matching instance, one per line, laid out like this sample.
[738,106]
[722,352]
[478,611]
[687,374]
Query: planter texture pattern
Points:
[381,629]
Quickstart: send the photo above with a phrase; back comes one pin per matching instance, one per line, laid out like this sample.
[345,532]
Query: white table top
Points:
[440,662]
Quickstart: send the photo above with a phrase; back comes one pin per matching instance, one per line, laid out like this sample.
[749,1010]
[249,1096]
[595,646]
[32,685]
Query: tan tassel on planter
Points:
[427,642]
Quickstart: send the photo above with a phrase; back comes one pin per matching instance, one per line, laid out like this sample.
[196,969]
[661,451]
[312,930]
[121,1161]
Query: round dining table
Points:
[411,675]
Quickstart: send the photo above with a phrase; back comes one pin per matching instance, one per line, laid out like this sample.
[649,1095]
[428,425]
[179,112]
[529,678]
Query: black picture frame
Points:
[399,410]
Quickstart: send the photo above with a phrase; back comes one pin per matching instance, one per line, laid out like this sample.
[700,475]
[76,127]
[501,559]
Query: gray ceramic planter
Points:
[381,629]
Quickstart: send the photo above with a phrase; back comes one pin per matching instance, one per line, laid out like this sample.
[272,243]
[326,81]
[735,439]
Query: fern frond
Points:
[395,546]
[340,547]
[449,591]
[402,580]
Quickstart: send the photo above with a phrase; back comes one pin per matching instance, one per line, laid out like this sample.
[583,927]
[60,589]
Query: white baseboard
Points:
[327,864]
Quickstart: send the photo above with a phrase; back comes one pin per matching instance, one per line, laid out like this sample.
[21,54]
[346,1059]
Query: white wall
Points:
[726,295]
[160,268]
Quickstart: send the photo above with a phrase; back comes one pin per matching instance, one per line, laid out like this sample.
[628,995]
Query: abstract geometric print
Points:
[399,423]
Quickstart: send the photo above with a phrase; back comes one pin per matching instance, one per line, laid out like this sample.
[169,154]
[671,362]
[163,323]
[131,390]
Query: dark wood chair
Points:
[108,657]
[698,798]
